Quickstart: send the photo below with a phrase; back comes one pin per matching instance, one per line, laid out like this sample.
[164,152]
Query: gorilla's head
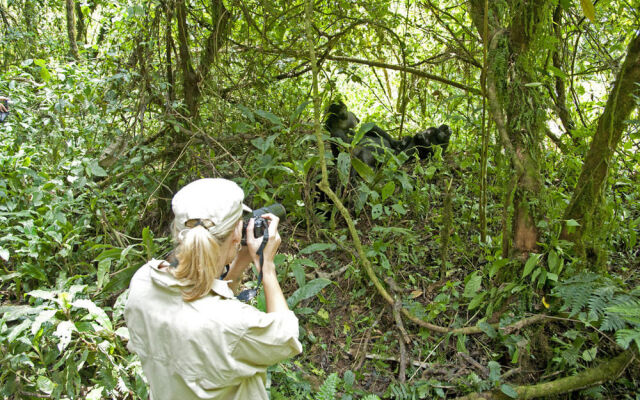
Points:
[339,117]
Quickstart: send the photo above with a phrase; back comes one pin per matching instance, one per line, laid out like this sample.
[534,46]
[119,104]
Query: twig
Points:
[479,367]
[420,364]
[366,343]
[167,174]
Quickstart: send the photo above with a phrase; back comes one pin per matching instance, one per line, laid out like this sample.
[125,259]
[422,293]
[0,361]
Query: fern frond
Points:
[612,322]
[624,337]
[328,389]
[629,311]
[599,300]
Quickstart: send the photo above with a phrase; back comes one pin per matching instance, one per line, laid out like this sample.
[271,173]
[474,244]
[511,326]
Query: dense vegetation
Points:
[505,267]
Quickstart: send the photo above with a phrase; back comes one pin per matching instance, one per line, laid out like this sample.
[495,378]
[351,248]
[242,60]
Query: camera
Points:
[260,224]
[4,114]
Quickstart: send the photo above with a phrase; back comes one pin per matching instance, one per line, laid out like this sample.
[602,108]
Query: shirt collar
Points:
[164,278]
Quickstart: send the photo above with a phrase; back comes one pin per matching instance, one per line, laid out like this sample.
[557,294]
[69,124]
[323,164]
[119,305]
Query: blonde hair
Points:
[199,257]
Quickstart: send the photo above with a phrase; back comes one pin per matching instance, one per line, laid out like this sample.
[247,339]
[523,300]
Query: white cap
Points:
[216,200]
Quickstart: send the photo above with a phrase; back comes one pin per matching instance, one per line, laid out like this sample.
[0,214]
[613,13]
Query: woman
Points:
[195,340]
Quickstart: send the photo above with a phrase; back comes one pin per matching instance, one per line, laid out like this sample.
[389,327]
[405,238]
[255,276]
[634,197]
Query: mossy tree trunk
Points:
[586,202]
[71,28]
[516,103]
[194,64]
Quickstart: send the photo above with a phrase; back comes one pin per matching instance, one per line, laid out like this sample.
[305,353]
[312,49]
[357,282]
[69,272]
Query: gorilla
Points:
[340,123]
[423,142]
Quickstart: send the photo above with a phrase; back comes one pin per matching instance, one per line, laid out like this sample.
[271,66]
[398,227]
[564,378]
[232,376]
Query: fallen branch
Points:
[606,371]
[479,367]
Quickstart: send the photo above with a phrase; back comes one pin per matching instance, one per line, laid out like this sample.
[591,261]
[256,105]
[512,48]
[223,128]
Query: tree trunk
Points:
[71,29]
[516,108]
[80,25]
[587,196]
[192,78]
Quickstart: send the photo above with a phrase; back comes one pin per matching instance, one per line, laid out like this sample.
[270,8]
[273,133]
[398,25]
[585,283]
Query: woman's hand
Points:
[270,249]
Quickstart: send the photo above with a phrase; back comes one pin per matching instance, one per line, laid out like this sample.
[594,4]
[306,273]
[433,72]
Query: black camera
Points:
[260,224]
[4,114]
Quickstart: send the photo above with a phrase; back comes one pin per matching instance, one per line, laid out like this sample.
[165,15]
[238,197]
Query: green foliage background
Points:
[94,147]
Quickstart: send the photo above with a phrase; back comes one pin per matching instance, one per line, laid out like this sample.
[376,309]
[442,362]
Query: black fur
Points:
[423,142]
[340,122]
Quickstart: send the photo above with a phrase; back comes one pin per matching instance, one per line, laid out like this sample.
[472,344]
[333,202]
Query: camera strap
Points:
[249,294]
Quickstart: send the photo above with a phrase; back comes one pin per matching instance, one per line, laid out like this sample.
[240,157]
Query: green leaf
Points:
[123,332]
[316,247]
[309,290]
[488,329]
[553,261]
[63,332]
[274,119]
[376,211]
[388,190]
[588,9]
[298,111]
[349,378]
[362,169]
[310,163]
[298,272]
[97,313]
[95,393]
[104,266]
[4,254]
[147,239]
[18,329]
[364,128]
[494,371]
[45,384]
[557,72]
[565,4]
[572,222]
[531,263]
[45,75]
[590,354]
[509,390]
[246,112]
[477,300]
[93,169]
[473,285]
[496,265]
[44,316]
[344,167]
[43,294]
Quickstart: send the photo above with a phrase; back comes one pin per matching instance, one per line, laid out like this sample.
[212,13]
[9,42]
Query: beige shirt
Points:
[215,347]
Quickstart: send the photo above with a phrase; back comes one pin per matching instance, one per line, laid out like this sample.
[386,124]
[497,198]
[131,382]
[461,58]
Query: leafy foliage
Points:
[93,149]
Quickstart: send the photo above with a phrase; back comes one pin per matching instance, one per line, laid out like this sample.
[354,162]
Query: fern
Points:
[599,300]
[624,337]
[371,397]
[577,291]
[612,322]
[328,389]
[602,300]
[629,311]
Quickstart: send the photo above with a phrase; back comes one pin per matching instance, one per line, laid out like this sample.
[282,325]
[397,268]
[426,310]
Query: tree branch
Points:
[606,371]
